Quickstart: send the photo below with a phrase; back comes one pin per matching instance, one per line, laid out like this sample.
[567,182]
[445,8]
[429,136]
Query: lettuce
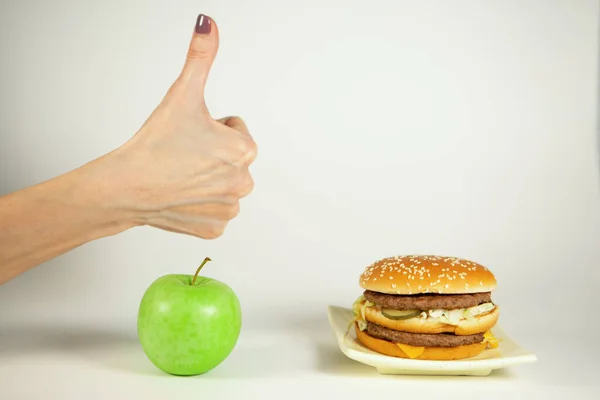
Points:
[359,309]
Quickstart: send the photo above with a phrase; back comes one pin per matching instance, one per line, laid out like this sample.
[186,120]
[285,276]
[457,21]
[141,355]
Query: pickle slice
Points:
[399,314]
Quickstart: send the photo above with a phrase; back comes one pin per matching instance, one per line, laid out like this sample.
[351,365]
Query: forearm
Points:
[46,220]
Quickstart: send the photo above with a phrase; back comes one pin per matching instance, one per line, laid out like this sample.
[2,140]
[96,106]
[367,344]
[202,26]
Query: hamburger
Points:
[426,307]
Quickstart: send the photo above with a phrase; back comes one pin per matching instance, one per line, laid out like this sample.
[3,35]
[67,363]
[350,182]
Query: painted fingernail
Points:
[203,24]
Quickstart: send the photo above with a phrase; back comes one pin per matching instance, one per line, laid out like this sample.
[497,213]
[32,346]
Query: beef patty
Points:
[422,339]
[427,301]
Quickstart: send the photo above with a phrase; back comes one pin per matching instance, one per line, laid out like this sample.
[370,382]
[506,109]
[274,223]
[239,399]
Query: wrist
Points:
[93,189]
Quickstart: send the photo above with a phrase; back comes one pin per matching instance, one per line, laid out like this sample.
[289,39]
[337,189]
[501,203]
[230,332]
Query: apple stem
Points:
[207,259]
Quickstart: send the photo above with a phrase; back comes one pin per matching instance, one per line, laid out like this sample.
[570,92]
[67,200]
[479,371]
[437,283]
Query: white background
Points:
[462,128]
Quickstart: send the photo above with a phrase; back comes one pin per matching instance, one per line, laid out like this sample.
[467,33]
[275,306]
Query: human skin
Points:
[182,171]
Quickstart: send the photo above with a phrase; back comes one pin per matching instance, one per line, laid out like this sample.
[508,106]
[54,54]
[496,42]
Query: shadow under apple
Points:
[121,352]
[103,348]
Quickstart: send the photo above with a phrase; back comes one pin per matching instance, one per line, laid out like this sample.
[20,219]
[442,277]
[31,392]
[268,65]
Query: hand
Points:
[183,171]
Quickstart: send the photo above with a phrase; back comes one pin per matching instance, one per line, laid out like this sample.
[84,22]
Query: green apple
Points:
[188,325]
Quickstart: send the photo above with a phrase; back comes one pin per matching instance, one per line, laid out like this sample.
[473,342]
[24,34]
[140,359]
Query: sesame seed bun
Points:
[429,353]
[418,274]
[478,324]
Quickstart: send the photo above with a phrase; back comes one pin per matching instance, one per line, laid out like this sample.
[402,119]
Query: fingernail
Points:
[203,24]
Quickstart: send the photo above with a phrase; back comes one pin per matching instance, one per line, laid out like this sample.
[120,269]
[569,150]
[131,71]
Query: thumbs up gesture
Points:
[184,171]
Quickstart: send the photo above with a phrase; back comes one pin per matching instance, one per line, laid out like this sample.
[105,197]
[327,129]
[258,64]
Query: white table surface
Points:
[88,363]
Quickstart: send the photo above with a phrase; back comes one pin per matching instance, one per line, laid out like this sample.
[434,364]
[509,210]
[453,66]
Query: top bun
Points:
[417,274]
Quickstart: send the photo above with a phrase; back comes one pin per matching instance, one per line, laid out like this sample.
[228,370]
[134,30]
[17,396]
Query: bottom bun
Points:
[430,353]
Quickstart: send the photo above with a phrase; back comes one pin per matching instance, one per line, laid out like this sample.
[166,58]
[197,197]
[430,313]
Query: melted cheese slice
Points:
[411,351]
[490,339]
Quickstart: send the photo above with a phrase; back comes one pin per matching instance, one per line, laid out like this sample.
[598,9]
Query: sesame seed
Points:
[393,286]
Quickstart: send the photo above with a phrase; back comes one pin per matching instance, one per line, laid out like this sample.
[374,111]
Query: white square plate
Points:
[507,353]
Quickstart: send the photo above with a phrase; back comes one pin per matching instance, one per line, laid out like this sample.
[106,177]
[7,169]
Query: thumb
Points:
[201,54]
